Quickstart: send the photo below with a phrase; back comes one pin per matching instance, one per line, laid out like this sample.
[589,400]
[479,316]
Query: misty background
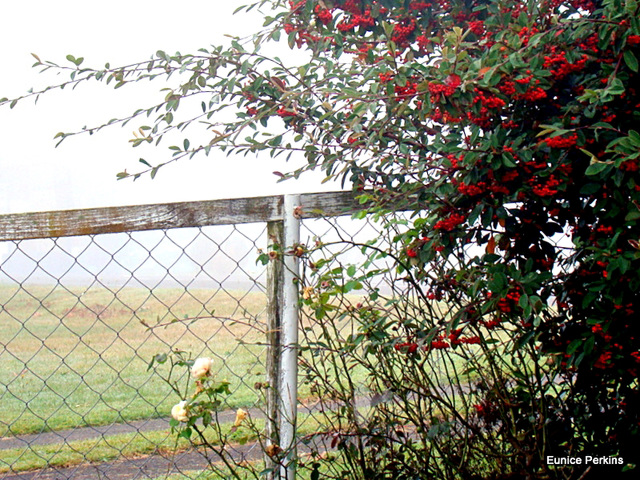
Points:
[81,172]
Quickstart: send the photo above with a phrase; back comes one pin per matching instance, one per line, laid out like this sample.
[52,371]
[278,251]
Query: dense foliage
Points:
[508,129]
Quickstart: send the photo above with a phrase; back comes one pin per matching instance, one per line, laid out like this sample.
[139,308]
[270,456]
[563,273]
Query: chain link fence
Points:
[354,258]
[82,318]
[339,396]
[88,320]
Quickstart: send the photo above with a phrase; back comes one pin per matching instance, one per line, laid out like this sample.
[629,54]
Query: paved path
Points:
[87,433]
[148,466]
[151,466]
[143,467]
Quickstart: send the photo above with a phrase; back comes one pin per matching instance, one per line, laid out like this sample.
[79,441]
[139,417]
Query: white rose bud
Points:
[201,367]
[179,411]
[240,416]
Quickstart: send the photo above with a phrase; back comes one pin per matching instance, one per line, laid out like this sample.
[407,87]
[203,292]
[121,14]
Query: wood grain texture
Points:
[275,279]
[168,215]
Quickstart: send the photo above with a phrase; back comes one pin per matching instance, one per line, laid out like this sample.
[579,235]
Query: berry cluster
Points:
[450,222]
[296,6]
[351,6]
[438,116]
[526,33]
[510,176]
[438,344]
[586,5]
[456,339]
[558,65]
[423,42]
[630,165]
[507,304]
[562,142]
[507,87]
[402,30]
[487,100]
[448,88]
[324,15]
[604,360]
[533,93]
[472,190]
[408,90]
[547,189]
[477,27]
[406,347]
[418,6]
[357,19]
[283,112]
[365,21]
[385,77]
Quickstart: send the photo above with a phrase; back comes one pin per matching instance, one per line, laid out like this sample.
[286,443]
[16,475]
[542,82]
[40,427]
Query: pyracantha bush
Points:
[509,129]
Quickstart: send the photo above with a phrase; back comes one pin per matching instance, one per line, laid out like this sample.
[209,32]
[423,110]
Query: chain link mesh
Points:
[82,317]
[353,248]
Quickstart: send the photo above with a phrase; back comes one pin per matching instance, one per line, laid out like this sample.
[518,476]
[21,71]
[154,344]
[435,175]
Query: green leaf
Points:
[291,39]
[492,77]
[590,188]
[499,282]
[632,215]
[596,168]
[616,87]
[631,60]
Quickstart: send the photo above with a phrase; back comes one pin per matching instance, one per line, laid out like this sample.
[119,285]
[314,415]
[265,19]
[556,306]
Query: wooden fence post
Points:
[275,232]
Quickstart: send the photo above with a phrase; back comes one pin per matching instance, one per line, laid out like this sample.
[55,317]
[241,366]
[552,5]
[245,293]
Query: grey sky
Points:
[81,172]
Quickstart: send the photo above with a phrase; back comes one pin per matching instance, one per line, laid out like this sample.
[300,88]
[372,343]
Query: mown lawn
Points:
[76,358]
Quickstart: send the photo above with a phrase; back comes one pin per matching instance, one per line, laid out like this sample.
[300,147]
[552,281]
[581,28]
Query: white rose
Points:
[179,411]
[201,367]
[240,416]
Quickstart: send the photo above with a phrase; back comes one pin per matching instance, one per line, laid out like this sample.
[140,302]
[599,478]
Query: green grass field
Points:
[77,358]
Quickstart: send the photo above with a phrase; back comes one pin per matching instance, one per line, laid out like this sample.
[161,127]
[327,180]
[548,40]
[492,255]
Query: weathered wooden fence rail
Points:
[163,216]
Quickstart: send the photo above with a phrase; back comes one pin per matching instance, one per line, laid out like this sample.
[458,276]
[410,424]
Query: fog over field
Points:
[188,257]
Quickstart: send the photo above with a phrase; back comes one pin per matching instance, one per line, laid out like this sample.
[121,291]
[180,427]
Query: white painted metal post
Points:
[288,384]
